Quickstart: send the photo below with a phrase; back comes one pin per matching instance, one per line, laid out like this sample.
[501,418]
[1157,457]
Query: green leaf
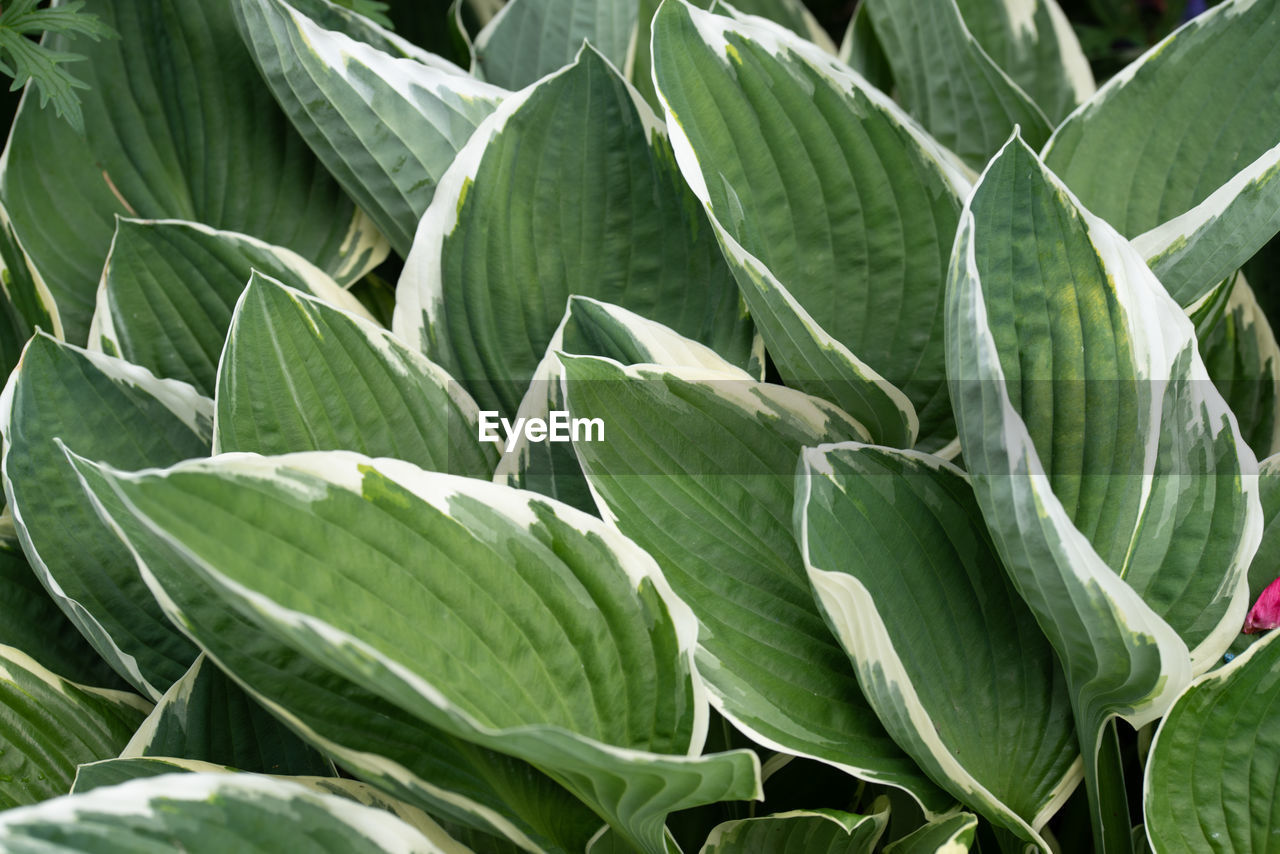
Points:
[1034,44]
[1141,151]
[1211,775]
[1110,472]
[570,188]
[121,414]
[300,375]
[698,469]
[529,39]
[177,125]
[1193,251]
[369,736]
[593,328]
[825,183]
[30,621]
[1243,359]
[945,622]
[205,716]
[385,126]
[51,725]
[23,284]
[169,288]
[112,772]
[947,81]
[817,831]
[607,704]
[951,835]
[809,359]
[204,812]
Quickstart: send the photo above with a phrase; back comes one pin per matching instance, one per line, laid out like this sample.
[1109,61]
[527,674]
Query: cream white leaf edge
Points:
[152,797]
[865,637]
[43,295]
[1148,307]
[349,654]
[420,290]
[181,399]
[779,41]
[1122,78]
[352,790]
[661,343]
[394,353]
[102,331]
[764,400]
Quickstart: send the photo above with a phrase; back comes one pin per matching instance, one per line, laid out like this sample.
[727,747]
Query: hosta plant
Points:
[647,428]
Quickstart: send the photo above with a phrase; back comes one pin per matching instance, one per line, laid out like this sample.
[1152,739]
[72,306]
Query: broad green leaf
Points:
[169,288]
[606,703]
[31,622]
[1141,151]
[113,772]
[300,375]
[698,469]
[946,622]
[825,183]
[809,359]
[385,126]
[205,716]
[792,14]
[529,39]
[177,125]
[50,726]
[951,835]
[1211,780]
[204,812]
[1193,251]
[593,328]
[1032,41]
[23,284]
[383,744]
[119,413]
[1110,472]
[1243,359]
[946,80]
[816,831]
[569,188]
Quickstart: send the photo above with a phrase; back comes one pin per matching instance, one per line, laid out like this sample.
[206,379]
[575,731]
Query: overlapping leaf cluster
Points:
[928,508]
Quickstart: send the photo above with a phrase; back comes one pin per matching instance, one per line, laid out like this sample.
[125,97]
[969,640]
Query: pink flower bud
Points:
[1265,613]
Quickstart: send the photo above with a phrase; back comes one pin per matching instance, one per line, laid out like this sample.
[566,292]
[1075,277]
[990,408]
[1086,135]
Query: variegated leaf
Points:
[177,125]
[386,126]
[1138,153]
[120,413]
[569,188]
[697,467]
[301,375]
[825,183]
[169,288]
[624,738]
[1110,472]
